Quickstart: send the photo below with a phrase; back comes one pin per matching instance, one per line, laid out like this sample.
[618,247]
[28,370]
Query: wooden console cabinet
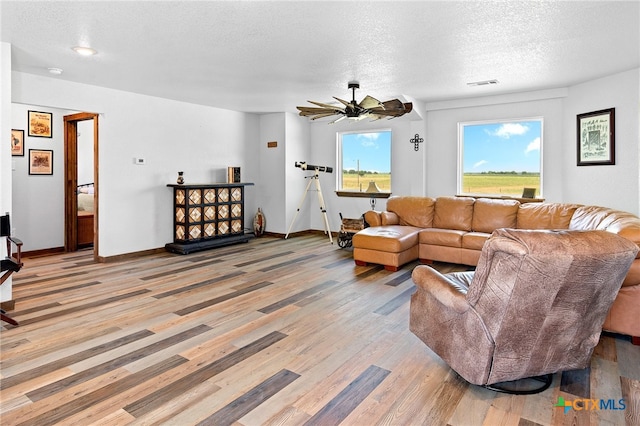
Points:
[207,216]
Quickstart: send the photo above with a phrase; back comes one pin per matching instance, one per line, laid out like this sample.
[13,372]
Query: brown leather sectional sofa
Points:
[454,229]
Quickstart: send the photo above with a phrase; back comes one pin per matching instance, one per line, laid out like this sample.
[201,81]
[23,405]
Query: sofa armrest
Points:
[373,218]
[389,218]
[441,288]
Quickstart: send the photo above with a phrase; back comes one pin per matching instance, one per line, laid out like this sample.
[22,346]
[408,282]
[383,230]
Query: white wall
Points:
[297,149]
[135,207]
[407,165]
[38,200]
[442,139]
[271,183]
[5,151]
[432,171]
[281,184]
[616,186]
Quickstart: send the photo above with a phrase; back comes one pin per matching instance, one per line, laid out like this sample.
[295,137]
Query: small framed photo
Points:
[17,142]
[40,162]
[596,138]
[529,193]
[40,124]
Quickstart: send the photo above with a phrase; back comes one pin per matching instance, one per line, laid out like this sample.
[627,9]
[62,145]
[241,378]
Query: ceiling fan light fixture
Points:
[84,51]
[483,82]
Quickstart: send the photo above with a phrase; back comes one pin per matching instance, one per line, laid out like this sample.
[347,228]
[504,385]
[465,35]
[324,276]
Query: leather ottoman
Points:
[391,246]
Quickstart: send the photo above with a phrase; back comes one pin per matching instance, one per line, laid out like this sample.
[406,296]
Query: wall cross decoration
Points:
[416,141]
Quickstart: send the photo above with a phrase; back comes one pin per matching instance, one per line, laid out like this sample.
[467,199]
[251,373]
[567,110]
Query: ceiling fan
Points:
[367,108]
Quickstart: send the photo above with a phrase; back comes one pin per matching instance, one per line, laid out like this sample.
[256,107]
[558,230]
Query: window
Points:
[500,157]
[364,157]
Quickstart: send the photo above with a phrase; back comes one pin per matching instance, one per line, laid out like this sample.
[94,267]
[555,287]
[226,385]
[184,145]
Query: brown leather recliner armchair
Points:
[534,306]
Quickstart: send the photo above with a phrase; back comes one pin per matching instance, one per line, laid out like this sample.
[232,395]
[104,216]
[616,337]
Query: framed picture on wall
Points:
[40,124]
[596,138]
[40,162]
[17,142]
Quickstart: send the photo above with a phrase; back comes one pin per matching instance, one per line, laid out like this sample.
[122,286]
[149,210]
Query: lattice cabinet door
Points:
[209,213]
[180,227]
[237,210]
[194,213]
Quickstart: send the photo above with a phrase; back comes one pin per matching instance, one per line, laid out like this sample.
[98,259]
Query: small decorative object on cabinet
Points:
[207,216]
[259,223]
[180,180]
[233,174]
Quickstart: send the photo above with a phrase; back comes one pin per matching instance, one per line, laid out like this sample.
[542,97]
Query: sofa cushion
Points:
[489,214]
[394,238]
[441,237]
[453,213]
[545,215]
[474,240]
[413,211]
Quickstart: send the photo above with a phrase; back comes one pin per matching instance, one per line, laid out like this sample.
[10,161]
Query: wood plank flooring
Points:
[271,332]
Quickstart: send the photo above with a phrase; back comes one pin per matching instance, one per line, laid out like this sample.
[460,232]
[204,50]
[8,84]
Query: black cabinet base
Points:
[186,248]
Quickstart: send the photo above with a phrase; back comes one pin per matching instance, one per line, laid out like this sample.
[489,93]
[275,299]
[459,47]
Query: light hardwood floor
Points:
[269,332]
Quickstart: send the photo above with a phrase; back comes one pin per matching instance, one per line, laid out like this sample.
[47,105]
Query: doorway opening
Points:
[81,196]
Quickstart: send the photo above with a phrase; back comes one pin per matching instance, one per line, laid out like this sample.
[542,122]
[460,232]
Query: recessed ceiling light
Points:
[84,51]
[55,71]
[483,83]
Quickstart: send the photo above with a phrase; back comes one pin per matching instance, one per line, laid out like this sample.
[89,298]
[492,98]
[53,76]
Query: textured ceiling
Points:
[270,56]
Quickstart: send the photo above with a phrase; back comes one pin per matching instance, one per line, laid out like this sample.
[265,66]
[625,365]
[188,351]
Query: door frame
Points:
[71,180]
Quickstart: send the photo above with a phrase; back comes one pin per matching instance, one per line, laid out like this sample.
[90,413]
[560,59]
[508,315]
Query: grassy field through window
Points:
[500,157]
[359,183]
[510,184]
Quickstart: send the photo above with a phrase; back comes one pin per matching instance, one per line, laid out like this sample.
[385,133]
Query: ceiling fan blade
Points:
[393,104]
[387,113]
[382,111]
[314,113]
[323,105]
[313,110]
[343,102]
[326,115]
[392,108]
[368,102]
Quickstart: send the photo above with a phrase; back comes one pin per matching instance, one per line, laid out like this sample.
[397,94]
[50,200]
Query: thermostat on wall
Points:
[140,161]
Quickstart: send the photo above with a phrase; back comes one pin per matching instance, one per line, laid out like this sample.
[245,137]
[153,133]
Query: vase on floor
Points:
[259,223]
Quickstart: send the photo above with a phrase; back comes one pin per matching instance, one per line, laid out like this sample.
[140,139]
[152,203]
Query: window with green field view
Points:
[500,158]
[364,157]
